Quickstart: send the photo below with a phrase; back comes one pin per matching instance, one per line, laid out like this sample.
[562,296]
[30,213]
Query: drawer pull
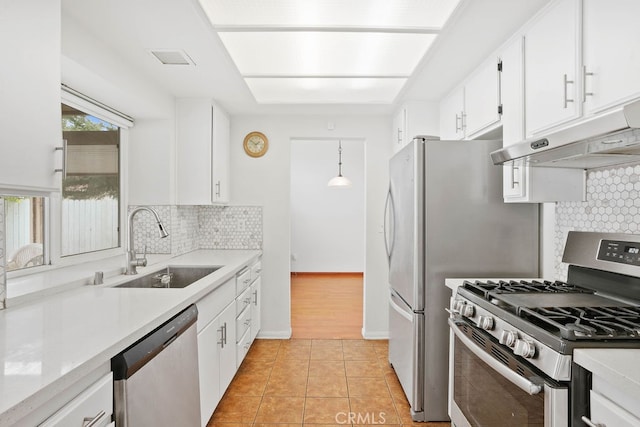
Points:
[92,421]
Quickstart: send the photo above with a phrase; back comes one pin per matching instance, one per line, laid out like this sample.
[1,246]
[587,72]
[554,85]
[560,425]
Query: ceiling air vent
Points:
[171,57]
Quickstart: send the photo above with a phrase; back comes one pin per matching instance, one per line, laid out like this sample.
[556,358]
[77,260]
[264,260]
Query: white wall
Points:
[266,181]
[327,224]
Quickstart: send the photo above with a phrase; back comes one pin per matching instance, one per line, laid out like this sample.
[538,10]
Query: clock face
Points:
[256,144]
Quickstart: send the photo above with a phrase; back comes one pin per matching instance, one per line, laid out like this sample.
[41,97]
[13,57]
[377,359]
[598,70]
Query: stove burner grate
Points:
[484,288]
[592,323]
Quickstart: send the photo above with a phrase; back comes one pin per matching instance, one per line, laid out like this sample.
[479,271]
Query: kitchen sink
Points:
[170,277]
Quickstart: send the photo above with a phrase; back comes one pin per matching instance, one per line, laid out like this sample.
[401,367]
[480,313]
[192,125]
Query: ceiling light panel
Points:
[325,90]
[330,13]
[326,54]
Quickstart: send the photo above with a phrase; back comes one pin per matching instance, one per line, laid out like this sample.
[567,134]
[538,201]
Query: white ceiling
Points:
[327,51]
[132,28]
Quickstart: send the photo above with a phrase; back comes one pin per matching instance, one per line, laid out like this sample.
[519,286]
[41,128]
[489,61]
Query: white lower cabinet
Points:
[94,406]
[256,296]
[216,346]
[225,333]
[605,413]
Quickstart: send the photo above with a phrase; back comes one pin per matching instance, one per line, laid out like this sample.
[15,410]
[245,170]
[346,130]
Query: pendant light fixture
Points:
[339,181]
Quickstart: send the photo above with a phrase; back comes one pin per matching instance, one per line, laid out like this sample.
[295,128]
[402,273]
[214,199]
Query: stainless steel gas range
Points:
[512,341]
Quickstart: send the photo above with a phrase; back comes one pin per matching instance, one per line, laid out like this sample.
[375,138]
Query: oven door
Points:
[492,387]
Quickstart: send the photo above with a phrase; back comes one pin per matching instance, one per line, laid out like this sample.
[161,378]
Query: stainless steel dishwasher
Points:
[156,379]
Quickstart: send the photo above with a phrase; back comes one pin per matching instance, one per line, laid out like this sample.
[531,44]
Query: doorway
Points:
[327,239]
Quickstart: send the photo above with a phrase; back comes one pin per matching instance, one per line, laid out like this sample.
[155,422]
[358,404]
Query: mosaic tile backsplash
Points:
[230,227]
[199,227]
[612,206]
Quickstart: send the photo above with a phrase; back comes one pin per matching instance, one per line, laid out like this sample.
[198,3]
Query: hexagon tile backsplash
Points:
[612,206]
[199,227]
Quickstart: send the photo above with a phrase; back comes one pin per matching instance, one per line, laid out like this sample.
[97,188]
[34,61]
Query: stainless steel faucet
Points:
[132,259]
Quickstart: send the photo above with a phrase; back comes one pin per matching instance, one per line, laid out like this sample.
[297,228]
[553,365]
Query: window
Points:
[90,211]
[24,231]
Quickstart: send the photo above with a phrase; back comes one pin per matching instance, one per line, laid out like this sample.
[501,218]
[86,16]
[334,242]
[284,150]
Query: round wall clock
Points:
[256,144]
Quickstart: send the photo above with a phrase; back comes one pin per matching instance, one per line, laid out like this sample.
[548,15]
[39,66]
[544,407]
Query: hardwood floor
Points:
[326,305]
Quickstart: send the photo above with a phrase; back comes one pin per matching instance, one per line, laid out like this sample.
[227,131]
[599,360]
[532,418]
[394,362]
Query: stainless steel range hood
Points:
[599,142]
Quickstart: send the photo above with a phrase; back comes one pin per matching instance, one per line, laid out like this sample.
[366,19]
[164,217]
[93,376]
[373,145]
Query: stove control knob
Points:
[508,338]
[467,310]
[456,306]
[525,349]
[485,322]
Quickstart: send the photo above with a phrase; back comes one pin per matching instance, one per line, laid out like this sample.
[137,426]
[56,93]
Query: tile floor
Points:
[315,382]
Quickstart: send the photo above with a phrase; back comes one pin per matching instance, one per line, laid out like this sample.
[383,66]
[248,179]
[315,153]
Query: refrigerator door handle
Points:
[399,309]
[388,246]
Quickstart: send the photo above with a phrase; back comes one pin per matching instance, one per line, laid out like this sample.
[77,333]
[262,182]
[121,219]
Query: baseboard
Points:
[327,273]
[375,335]
[274,335]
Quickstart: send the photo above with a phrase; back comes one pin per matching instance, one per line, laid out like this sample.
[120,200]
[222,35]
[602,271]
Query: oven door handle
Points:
[520,382]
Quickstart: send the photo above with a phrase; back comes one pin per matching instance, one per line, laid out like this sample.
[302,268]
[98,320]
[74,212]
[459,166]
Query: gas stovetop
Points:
[563,310]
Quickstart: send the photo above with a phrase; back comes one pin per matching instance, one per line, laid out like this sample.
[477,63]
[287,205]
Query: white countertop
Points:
[48,344]
[618,366]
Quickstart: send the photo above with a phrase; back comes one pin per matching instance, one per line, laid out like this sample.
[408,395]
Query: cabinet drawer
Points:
[213,303]
[243,280]
[243,347]
[608,414]
[94,403]
[243,322]
[256,269]
[243,301]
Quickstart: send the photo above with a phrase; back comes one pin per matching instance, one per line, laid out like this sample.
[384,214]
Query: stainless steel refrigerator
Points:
[445,217]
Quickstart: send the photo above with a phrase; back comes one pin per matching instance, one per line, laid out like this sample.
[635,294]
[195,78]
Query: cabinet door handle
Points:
[221,342]
[92,421]
[399,136]
[458,118]
[566,82]
[585,74]
[218,190]
[247,322]
[64,159]
[224,328]
[515,172]
[255,298]
[590,423]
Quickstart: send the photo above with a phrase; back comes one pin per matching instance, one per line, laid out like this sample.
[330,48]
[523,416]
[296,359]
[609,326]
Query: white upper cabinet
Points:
[452,115]
[521,182]
[398,138]
[221,140]
[474,108]
[202,153]
[611,59]
[512,96]
[30,115]
[482,98]
[412,119]
[552,46]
